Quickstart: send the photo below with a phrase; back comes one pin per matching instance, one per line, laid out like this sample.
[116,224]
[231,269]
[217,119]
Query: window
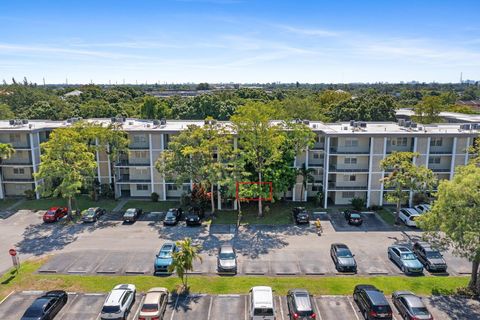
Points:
[142,187]
[186,188]
[316,156]
[401,142]
[434,160]
[18,171]
[316,187]
[351,143]
[139,139]
[14,137]
[141,172]
[349,178]
[436,142]
[348,194]
[350,161]
[140,154]
[172,187]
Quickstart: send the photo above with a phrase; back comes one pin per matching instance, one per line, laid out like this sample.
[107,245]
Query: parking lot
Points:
[231,307]
[371,222]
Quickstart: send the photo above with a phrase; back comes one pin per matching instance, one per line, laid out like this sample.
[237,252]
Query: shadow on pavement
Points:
[456,307]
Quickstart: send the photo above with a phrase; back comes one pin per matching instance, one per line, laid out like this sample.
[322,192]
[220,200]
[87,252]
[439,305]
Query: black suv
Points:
[193,219]
[430,257]
[300,215]
[300,306]
[353,217]
[372,302]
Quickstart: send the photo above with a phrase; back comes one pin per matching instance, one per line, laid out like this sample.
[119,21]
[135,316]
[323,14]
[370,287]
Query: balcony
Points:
[333,186]
[318,147]
[333,168]
[346,150]
[125,178]
[440,169]
[133,163]
[17,180]
[139,146]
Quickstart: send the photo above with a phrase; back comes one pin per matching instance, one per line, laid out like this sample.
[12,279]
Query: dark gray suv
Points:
[430,257]
[300,306]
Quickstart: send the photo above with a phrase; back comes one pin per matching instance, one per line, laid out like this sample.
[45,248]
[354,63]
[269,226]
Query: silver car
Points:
[405,259]
[227,260]
[410,306]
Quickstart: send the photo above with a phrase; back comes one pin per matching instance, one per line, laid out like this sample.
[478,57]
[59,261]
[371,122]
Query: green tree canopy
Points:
[183,260]
[428,110]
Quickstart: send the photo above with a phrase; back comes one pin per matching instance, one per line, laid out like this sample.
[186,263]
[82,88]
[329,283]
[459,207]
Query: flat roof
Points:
[339,128]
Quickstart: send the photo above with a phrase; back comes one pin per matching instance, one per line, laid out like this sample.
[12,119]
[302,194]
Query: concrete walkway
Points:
[4,214]
[120,205]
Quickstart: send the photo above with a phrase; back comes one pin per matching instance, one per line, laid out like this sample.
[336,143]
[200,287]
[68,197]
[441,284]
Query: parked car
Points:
[172,217]
[118,303]
[430,257]
[405,259]
[164,257]
[227,260]
[54,214]
[46,306]
[300,306]
[422,208]
[154,304]
[372,302]
[410,306]
[408,216]
[132,214]
[193,219]
[197,210]
[300,215]
[353,217]
[343,258]
[92,214]
[261,303]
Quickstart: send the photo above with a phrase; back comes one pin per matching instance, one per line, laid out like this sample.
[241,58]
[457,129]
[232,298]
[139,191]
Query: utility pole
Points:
[44,81]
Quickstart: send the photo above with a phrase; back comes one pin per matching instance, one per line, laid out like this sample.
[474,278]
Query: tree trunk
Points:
[397,212]
[69,207]
[260,211]
[185,285]
[239,215]
[301,192]
[212,199]
[474,284]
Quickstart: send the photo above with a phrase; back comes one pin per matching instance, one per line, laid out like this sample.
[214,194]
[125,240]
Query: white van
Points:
[261,303]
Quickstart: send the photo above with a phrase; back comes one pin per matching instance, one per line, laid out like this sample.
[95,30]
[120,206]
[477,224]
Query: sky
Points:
[240,41]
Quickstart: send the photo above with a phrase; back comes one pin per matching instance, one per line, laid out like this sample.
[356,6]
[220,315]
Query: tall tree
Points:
[260,140]
[6,112]
[428,110]
[199,154]
[307,177]
[183,260]
[67,165]
[405,177]
[454,219]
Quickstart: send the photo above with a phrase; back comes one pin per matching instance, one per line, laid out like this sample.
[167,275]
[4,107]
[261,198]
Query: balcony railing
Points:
[129,163]
[337,150]
[335,169]
[333,186]
[127,179]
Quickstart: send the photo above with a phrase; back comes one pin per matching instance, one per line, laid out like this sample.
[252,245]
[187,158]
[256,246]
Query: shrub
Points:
[358,203]
[30,194]
[154,196]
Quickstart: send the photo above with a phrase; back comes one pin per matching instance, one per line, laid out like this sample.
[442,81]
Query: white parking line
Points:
[174,307]
[318,309]
[139,307]
[8,295]
[69,304]
[246,307]
[210,307]
[353,308]
[280,304]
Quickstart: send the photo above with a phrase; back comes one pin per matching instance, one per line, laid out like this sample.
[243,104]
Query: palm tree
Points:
[307,176]
[183,259]
[6,152]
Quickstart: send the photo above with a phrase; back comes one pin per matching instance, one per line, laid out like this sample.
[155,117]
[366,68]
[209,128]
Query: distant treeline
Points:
[325,102]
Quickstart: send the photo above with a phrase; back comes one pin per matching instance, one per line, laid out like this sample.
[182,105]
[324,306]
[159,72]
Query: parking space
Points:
[335,307]
[15,305]
[189,307]
[82,306]
[228,307]
[371,222]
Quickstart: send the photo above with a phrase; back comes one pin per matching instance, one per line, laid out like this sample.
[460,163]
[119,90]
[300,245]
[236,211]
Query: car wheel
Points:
[355,297]
[389,256]
[365,314]
[404,270]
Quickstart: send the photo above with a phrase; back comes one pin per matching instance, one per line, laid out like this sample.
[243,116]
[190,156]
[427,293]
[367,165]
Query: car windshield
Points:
[170,214]
[34,311]
[130,212]
[355,216]
[263,312]
[408,256]
[90,212]
[434,255]
[110,309]
[420,311]
[227,255]
[344,253]
[165,253]
[150,307]
[50,212]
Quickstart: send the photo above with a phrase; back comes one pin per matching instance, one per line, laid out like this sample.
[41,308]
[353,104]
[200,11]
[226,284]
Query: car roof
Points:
[413,301]
[226,248]
[153,295]
[302,299]
[54,293]
[40,302]
[116,294]
[403,249]
[411,211]
[167,246]
[365,287]
[377,297]
[262,297]
[340,245]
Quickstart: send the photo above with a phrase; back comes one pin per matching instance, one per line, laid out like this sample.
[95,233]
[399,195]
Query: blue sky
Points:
[239,41]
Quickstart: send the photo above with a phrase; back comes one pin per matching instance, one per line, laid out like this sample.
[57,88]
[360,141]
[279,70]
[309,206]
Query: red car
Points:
[54,214]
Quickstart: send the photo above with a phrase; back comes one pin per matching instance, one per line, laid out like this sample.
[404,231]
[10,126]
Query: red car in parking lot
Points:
[54,214]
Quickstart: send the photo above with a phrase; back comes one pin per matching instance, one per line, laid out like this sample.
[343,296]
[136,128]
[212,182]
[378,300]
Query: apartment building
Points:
[345,157]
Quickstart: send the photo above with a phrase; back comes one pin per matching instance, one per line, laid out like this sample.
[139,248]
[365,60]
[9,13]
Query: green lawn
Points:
[339,285]
[387,216]
[5,203]
[150,206]
[83,202]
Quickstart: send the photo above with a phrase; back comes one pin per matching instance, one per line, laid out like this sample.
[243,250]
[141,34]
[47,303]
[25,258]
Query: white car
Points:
[154,304]
[261,303]
[118,303]
[408,216]
[422,208]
